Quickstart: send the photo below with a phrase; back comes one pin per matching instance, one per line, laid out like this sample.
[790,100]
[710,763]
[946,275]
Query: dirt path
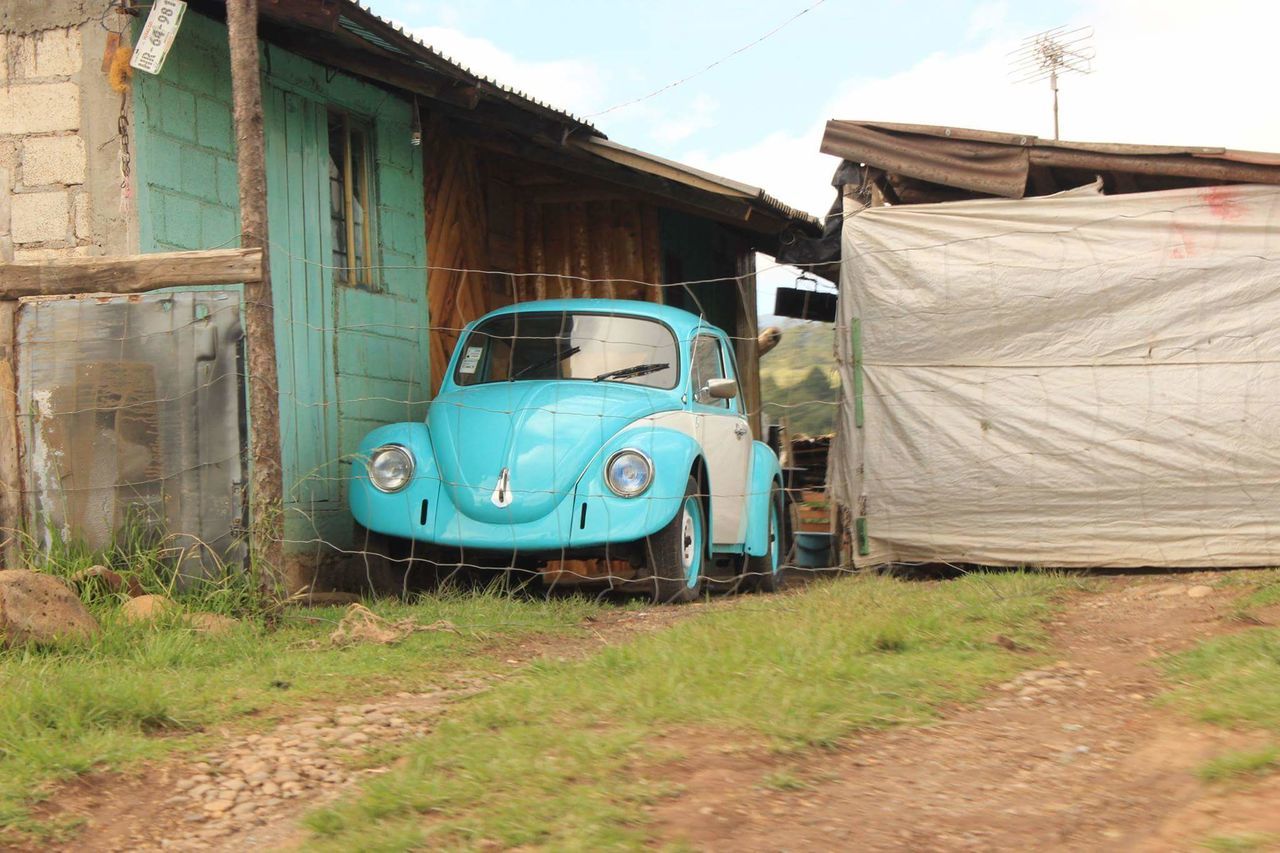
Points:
[251,790]
[1074,756]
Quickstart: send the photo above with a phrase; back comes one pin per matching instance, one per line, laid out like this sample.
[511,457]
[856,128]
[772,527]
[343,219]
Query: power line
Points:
[719,61]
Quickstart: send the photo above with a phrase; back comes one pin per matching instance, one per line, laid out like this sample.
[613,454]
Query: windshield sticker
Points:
[470,360]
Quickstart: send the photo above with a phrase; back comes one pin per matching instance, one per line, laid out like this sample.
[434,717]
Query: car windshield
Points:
[569,345]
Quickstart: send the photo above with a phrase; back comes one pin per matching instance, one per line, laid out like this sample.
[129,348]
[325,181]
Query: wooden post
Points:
[10,463]
[266,484]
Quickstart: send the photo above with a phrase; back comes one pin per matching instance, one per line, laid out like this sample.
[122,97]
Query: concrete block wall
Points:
[60,181]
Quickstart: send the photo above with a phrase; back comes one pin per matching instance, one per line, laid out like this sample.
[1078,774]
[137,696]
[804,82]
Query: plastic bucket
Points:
[813,550]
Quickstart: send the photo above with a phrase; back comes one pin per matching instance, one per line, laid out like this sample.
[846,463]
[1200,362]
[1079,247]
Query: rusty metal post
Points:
[266,486]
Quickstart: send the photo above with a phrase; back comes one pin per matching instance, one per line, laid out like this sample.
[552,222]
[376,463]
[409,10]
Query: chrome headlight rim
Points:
[608,468]
[390,448]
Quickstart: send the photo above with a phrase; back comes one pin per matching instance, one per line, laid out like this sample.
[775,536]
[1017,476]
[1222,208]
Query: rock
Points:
[1175,589]
[212,623]
[107,579]
[219,806]
[147,608]
[1199,591]
[40,608]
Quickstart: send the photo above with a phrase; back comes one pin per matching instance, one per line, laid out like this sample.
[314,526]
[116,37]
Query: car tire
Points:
[676,556]
[767,572]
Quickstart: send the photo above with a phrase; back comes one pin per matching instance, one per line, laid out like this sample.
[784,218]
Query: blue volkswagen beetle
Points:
[585,428]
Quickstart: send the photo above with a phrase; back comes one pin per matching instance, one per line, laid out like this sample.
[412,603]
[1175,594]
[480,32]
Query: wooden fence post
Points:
[266,488]
[10,475]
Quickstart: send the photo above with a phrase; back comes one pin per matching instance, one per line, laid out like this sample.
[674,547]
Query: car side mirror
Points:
[721,389]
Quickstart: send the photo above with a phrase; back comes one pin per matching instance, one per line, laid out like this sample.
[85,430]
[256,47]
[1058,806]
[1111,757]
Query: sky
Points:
[1173,72]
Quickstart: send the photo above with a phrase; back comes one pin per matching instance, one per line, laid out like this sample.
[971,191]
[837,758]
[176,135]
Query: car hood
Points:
[542,433]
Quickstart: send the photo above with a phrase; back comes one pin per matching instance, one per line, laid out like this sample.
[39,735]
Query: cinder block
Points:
[84,221]
[51,53]
[39,108]
[52,160]
[39,217]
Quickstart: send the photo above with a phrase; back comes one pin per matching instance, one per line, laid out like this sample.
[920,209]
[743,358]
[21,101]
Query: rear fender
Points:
[766,472]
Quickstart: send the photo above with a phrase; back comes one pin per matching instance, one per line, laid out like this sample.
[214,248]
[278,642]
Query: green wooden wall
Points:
[349,359]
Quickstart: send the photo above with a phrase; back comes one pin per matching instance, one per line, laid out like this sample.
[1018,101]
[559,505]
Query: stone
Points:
[1175,589]
[147,608]
[219,806]
[52,160]
[214,624]
[39,108]
[1200,591]
[40,217]
[40,608]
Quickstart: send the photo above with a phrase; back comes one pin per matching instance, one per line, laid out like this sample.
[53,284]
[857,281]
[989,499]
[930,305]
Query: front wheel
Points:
[766,572]
[677,554]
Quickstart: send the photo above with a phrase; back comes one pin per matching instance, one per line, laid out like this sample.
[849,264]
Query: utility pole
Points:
[266,545]
[1051,53]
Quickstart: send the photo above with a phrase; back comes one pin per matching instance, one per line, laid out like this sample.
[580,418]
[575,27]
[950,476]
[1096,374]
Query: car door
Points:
[725,438]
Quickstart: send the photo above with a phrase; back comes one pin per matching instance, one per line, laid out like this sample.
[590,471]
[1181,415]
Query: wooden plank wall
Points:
[605,249]
[497,218]
[456,240]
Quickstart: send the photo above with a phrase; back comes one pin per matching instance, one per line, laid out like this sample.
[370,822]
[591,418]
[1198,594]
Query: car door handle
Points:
[740,430]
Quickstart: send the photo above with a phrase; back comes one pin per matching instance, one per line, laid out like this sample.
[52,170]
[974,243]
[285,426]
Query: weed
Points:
[1230,680]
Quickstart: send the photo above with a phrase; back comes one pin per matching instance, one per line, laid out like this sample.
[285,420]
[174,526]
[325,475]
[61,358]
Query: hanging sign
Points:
[158,35]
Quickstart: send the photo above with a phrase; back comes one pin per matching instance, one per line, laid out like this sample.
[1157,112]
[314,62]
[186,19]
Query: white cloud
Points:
[574,85]
[699,115]
[1177,73]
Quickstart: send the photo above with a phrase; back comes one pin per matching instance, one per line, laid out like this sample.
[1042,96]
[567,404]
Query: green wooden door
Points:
[302,288]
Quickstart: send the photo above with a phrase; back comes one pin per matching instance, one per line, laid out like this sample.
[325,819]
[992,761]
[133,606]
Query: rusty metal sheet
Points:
[131,420]
[984,167]
[995,163]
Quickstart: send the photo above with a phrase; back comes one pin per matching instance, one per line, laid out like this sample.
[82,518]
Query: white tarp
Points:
[1076,380]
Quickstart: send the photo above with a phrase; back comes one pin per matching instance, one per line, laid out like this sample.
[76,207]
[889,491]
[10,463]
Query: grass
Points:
[1241,843]
[1233,681]
[564,757]
[1241,764]
[70,710]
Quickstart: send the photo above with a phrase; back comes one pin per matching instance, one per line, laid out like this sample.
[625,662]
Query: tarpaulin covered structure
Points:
[1075,379]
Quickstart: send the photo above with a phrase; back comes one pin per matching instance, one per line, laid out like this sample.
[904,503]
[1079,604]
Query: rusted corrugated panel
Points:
[997,163]
[982,167]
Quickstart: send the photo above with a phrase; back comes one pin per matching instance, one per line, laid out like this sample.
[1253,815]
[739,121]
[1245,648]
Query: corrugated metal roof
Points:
[360,21]
[994,163]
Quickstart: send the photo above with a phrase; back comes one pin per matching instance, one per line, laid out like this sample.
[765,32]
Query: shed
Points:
[1055,353]
[406,196]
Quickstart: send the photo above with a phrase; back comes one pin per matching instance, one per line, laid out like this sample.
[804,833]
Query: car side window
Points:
[707,362]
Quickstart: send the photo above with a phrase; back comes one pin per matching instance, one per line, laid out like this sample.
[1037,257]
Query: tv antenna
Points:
[1052,53]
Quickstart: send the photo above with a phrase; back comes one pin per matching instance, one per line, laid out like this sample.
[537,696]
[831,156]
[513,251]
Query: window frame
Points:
[729,405]
[357,275]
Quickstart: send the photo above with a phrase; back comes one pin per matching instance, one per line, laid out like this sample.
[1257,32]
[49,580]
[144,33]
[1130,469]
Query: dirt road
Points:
[1074,756]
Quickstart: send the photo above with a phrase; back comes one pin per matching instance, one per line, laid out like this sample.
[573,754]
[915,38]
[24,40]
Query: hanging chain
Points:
[126,157]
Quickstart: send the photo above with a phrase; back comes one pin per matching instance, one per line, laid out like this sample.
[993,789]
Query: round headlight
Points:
[390,468]
[628,473]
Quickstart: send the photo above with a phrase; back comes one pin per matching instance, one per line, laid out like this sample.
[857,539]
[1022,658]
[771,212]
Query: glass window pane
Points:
[337,194]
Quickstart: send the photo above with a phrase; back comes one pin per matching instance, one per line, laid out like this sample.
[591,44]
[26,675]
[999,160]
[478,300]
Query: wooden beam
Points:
[314,14]
[11,521]
[130,274]
[266,539]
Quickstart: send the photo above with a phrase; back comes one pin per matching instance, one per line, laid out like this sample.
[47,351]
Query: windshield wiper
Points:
[634,370]
[551,359]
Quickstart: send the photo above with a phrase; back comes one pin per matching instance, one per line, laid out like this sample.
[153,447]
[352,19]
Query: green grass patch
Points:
[1245,842]
[563,756]
[1231,680]
[1240,764]
[69,710]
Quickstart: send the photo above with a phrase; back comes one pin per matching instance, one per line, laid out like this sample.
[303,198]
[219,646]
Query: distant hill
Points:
[798,379]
